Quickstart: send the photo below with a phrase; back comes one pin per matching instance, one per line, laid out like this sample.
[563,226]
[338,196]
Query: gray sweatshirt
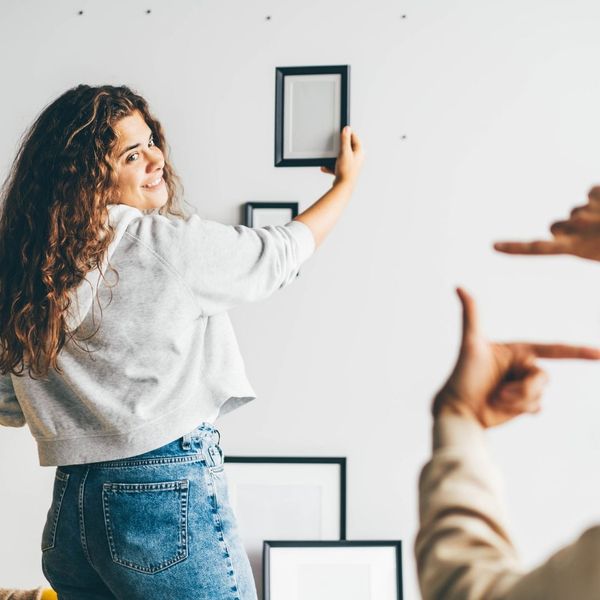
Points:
[161,356]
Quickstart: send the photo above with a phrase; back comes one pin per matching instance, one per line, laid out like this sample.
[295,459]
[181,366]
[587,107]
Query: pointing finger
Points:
[540,247]
[557,351]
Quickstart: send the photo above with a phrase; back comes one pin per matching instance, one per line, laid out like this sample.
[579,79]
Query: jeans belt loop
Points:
[215,456]
[186,444]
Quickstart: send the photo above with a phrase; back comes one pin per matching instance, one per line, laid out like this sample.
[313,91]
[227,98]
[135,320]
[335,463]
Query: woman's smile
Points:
[153,185]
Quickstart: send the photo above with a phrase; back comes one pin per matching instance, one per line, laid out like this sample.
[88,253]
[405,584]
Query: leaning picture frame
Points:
[327,570]
[261,214]
[286,498]
[312,106]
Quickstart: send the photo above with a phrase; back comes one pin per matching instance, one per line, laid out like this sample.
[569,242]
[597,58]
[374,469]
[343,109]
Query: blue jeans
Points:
[153,526]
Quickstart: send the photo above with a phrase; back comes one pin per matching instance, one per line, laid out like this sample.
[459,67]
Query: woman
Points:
[117,350]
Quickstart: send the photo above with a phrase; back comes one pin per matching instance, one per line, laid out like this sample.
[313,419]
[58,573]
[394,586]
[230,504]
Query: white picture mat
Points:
[350,573]
[311,127]
[350,582]
[283,501]
[261,217]
[244,477]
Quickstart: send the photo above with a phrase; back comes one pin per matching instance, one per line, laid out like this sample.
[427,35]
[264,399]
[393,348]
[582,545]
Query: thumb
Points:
[347,138]
[471,327]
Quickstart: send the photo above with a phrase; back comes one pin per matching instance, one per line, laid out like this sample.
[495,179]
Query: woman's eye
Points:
[134,156]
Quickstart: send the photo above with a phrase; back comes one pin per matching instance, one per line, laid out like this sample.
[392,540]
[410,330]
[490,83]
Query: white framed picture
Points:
[312,107]
[344,570]
[286,498]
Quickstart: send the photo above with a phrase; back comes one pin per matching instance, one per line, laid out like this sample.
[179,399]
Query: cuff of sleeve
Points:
[304,237]
[12,420]
[458,432]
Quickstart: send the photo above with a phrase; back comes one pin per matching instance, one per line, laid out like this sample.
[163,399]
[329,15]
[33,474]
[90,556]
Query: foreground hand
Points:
[350,157]
[493,383]
[579,235]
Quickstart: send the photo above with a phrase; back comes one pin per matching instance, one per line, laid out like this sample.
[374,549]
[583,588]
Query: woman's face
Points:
[139,165]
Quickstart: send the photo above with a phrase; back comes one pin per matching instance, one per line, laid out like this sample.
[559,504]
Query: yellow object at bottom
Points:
[49,595]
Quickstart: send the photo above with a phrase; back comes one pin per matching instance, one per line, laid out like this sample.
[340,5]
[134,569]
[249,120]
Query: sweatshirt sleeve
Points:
[463,548]
[227,265]
[11,414]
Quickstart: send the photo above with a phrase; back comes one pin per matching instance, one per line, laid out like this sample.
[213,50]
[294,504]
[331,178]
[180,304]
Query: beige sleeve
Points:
[463,548]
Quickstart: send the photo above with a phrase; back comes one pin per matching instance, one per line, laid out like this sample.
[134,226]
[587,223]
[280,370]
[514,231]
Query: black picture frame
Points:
[250,207]
[310,460]
[344,111]
[274,544]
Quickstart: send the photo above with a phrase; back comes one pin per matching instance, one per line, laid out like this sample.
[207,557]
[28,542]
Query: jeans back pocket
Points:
[146,523]
[49,534]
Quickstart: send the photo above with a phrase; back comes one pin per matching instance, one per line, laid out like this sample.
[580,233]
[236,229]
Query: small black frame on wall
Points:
[260,214]
[312,106]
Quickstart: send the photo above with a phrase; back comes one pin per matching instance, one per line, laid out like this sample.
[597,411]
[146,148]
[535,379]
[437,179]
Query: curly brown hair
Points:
[54,218]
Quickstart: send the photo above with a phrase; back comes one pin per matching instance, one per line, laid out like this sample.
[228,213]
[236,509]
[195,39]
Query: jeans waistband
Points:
[204,439]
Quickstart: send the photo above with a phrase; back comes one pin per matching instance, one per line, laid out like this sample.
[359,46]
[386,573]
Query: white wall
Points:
[499,102]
